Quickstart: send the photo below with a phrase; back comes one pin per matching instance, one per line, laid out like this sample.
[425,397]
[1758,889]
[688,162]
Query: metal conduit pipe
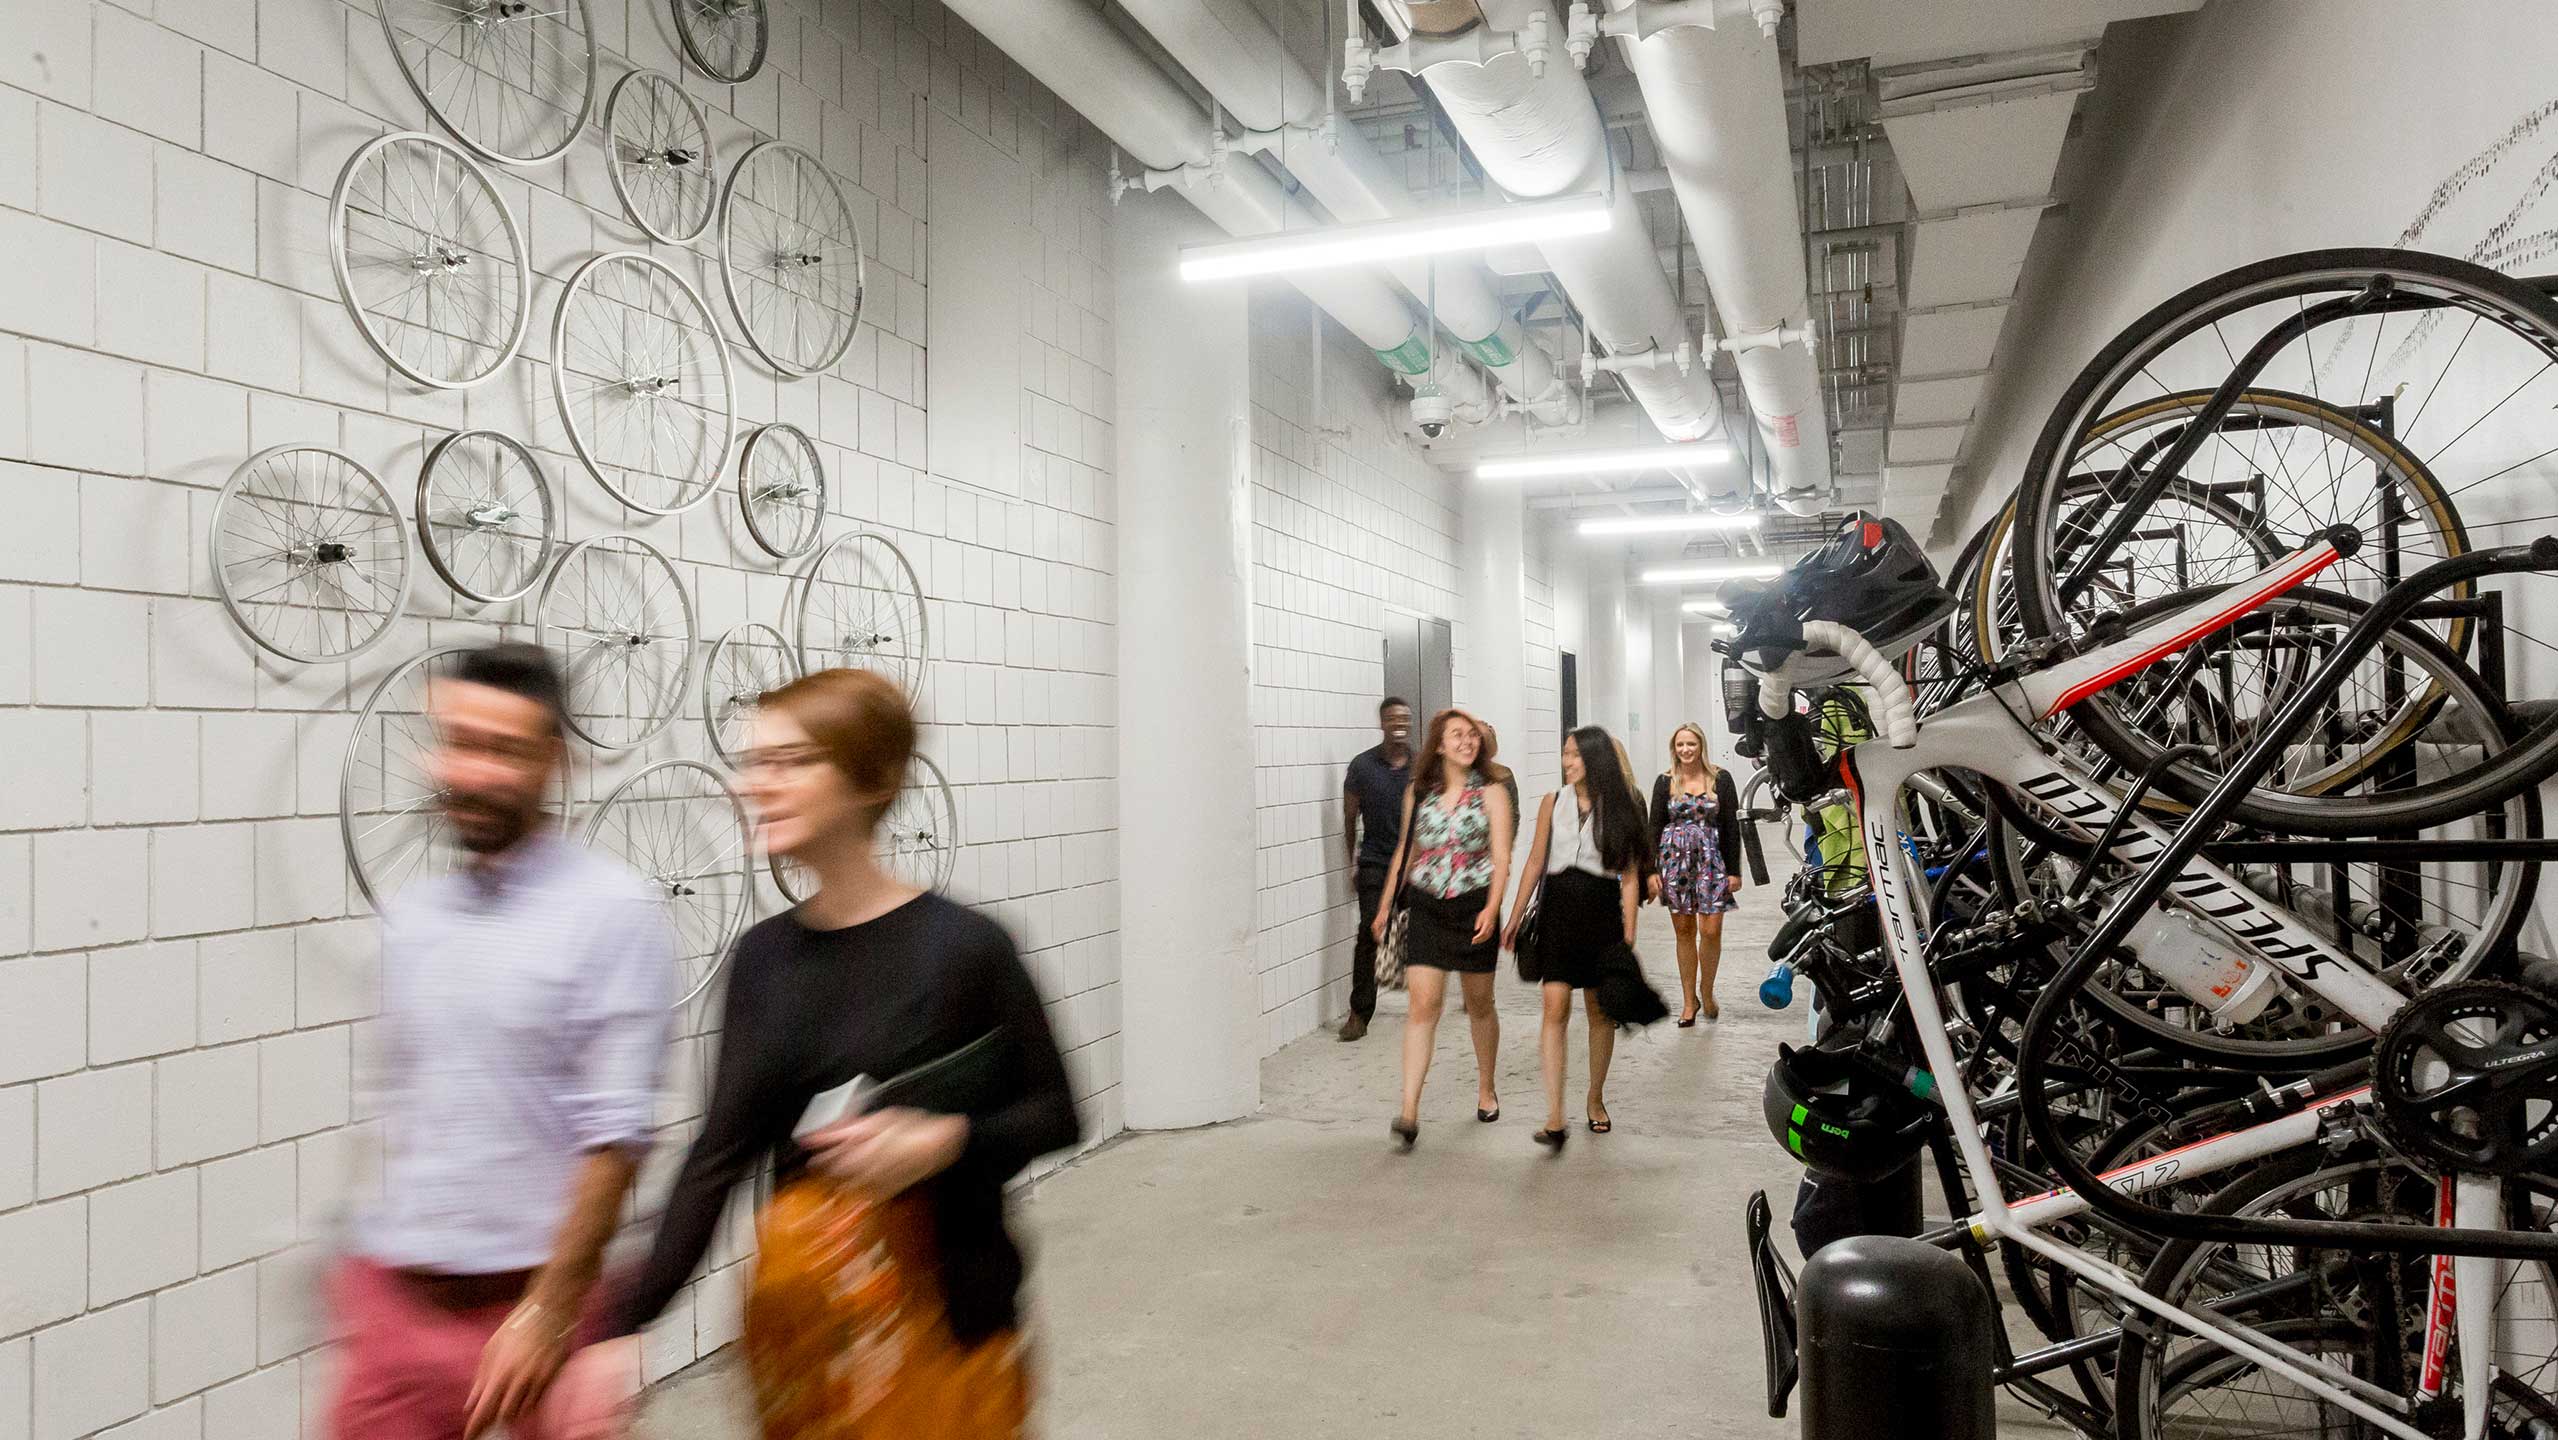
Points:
[1231,50]
[1717,103]
[1096,71]
[1540,136]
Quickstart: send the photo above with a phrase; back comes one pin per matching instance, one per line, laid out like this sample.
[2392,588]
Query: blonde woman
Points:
[1696,833]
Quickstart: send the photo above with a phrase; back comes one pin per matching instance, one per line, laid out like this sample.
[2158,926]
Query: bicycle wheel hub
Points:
[489,514]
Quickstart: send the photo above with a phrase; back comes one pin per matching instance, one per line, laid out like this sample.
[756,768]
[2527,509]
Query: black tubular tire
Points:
[2316,271]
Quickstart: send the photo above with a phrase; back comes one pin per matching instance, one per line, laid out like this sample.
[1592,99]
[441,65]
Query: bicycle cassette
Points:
[2467,1076]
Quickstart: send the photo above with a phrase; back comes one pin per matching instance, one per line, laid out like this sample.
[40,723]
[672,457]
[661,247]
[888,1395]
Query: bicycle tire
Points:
[2510,907]
[2284,277]
[2144,1358]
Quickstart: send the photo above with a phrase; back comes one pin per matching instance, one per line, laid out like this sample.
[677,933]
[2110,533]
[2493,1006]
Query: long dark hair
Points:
[1620,830]
[1427,765]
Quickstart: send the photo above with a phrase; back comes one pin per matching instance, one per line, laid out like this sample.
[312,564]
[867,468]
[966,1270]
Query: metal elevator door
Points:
[1419,655]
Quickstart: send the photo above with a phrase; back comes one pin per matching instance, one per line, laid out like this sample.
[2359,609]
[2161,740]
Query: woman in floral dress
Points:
[1450,871]
[1696,831]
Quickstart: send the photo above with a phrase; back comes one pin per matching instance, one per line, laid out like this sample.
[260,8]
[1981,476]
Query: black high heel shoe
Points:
[1552,1140]
[1407,1131]
[1488,1116]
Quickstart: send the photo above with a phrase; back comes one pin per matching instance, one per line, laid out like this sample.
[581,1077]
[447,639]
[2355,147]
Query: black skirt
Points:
[1442,933]
[1580,918]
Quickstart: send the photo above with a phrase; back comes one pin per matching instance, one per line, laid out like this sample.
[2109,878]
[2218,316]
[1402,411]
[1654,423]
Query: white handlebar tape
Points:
[1891,695]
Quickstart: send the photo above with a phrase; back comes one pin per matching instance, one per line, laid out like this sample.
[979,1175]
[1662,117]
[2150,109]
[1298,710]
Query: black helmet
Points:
[1871,577]
[1841,1119]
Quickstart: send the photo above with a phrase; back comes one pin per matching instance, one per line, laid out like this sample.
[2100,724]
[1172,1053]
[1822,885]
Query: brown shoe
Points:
[1354,1027]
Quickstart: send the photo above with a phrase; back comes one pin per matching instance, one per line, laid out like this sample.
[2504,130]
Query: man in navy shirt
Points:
[1372,824]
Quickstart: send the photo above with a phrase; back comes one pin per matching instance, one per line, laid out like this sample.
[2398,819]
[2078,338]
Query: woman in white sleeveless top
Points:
[1591,836]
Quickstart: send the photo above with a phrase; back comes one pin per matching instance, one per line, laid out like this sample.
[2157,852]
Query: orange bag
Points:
[846,1335]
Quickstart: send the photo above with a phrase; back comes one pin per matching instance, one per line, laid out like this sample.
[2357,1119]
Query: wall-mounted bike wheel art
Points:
[725,39]
[681,828]
[859,606]
[485,516]
[512,79]
[309,553]
[617,618]
[790,259]
[781,488]
[746,662]
[917,840]
[429,261]
[661,167]
[642,380]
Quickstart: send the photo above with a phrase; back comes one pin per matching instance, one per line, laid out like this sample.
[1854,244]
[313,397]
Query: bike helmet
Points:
[1841,1119]
[1872,577]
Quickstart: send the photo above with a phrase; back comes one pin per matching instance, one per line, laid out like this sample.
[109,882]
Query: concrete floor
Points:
[1291,1275]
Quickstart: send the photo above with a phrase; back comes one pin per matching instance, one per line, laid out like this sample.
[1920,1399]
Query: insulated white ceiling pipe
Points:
[1095,70]
[1717,106]
[1540,136]
[1230,49]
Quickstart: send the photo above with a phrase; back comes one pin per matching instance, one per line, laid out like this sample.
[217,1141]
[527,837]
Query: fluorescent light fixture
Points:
[1714,608]
[1723,570]
[1336,245]
[1687,524]
[1604,462]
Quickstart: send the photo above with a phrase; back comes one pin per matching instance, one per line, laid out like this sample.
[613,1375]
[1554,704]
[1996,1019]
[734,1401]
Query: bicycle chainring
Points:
[2466,1076]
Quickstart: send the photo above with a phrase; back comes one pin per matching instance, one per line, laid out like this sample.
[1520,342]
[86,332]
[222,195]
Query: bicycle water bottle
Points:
[1777,991]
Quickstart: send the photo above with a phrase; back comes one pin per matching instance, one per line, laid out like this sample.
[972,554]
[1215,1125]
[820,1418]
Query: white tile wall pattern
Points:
[185,975]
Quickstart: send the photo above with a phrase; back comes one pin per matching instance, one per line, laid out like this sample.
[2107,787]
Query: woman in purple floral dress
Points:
[1696,830]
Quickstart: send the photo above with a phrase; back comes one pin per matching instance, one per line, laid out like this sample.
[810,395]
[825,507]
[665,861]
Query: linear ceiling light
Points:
[1697,523]
[1397,239]
[1604,462]
[1705,574]
[1713,608]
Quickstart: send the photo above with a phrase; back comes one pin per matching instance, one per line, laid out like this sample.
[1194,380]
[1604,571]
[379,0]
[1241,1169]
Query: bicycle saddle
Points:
[1871,577]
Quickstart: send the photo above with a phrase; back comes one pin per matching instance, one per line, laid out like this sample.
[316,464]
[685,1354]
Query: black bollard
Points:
[1896,1344]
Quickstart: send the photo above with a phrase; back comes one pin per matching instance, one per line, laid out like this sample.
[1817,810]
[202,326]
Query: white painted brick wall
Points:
[184,973]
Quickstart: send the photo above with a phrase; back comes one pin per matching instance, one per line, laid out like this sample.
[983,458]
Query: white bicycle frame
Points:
[1983,734]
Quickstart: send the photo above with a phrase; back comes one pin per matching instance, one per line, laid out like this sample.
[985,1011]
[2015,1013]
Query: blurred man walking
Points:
[525,1000]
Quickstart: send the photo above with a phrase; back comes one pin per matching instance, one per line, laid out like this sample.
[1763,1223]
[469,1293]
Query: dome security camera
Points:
[1433,414]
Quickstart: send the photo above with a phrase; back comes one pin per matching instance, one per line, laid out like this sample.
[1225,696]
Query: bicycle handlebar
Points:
[1892,694]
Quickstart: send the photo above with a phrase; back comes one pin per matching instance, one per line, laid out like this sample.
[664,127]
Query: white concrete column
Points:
[1668,670]
[1635,656]
[1189,999]
[1603,663]
[1492,549]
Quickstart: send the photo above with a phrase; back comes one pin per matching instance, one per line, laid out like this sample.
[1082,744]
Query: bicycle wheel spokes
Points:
[390,809]
[618,618]
[918,838]
[2384,390]
[860,607]
[745,664]
[682,829]
[643,383]
[512,79]
[660,157]
[429,261]
[484,513]
[781,486]
[725,38]
[791,258]
[309,554]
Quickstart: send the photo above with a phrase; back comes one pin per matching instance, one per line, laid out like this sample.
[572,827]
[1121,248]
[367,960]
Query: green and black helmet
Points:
[1839,1117]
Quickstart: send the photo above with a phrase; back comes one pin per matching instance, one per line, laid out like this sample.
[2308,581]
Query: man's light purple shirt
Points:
[525,1007]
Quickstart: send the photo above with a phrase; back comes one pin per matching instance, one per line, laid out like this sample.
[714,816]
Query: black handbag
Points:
[1624,995]
[1527,943]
